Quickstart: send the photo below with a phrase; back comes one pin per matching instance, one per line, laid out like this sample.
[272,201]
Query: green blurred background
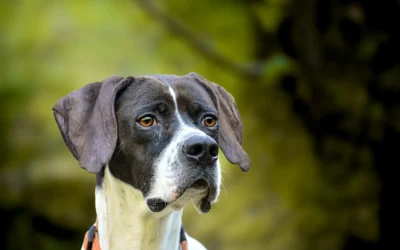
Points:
[316,82]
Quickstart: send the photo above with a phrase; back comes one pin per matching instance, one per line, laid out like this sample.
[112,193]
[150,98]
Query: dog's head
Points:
[159,133]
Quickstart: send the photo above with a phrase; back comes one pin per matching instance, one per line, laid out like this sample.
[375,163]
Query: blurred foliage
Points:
[316,83]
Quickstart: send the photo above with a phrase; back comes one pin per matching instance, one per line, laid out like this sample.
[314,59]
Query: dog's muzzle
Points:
[198,156]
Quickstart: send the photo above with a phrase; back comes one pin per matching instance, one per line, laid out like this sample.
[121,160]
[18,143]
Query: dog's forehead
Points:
[145,89]
[187,89]
[157,88]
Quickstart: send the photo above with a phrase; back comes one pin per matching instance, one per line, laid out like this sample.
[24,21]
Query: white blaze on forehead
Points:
[172,92]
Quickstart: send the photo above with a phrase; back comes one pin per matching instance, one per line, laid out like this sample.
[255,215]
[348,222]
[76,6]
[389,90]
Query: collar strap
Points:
[91,241]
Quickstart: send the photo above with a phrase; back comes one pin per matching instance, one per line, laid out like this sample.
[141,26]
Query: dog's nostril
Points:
[213,150]
[195,149]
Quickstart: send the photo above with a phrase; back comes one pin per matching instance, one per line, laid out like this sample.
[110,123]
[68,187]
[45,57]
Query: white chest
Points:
[125,222]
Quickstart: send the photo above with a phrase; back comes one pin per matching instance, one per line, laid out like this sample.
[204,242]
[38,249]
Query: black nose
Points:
[201,149]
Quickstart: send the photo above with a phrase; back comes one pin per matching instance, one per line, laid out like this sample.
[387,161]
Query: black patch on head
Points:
[138,147]
[194,104]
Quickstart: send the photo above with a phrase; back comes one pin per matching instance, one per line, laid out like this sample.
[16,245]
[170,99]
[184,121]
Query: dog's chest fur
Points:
[126,223]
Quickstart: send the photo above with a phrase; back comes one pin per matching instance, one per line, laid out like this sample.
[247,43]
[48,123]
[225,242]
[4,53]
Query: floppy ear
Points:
[86,119]
[230,124]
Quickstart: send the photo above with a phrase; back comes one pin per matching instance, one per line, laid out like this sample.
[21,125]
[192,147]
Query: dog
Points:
[153,143]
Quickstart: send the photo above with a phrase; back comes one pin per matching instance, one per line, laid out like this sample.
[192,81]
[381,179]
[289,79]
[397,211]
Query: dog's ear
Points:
[230,124]
[86,119]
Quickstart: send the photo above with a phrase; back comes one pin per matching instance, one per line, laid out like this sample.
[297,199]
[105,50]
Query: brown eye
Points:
[147,121]
[209,121]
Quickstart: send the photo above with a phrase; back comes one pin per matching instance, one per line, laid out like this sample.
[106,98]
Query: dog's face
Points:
[167,133]
[160,134]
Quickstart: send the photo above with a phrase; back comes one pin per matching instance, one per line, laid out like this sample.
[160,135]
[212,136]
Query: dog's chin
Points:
[200,193]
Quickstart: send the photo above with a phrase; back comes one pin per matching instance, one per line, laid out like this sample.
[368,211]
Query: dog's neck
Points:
[125,222]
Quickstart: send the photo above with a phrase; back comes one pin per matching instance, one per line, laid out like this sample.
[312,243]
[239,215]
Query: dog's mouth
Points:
[199,185]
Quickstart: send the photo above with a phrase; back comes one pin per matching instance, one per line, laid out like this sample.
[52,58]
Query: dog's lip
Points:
[201,183]
[157,204]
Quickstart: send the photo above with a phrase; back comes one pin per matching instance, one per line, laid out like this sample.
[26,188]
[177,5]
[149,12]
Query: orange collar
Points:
[91,241]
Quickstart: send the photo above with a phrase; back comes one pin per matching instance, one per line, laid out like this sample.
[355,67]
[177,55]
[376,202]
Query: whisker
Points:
[120,148]
[221,167]
[223,186]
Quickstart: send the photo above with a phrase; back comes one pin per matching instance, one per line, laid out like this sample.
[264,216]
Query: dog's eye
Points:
[147,121]
[209,121]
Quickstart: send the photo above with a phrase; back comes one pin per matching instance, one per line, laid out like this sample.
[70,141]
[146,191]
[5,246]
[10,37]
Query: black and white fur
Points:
[145,176]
